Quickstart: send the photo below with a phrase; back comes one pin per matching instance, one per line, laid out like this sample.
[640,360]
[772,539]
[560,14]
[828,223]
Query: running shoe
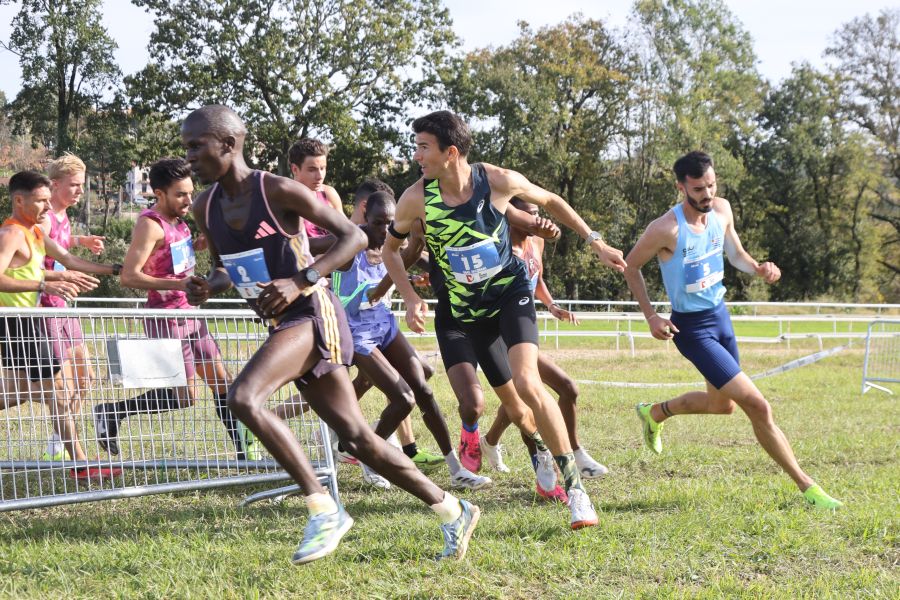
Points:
[107,427]
[546,471]
[470,450]
[95,473]
[251,446]
[373,478]
[816,496]
[588,467]
[58,456]
[322,535]
[652,429]
[466,480]
[458,533]
[557,495]
[494,455]
[583,514]
[424,458]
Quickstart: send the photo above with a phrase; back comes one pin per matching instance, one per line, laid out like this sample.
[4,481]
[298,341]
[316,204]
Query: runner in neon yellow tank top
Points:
[463,207]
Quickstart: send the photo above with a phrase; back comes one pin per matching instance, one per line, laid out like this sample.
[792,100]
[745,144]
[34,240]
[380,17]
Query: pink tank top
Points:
[174,259]
[61,233]
[315,230]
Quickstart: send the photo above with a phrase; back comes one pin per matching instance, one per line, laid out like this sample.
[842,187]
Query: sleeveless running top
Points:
[352,285]
[693,275]
[174,259]
[33,270]
[471,251]
[262,250]
[313,230]
[532,259]
[61,233]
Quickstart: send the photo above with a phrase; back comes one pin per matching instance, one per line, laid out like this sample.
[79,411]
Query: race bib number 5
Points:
[474,263]
[246,269]
[704,272]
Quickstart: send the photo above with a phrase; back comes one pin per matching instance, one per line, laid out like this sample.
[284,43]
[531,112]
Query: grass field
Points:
[711,517]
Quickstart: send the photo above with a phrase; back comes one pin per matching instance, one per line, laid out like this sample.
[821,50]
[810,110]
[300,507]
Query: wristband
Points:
[116,268]
[397,234]
[42,286]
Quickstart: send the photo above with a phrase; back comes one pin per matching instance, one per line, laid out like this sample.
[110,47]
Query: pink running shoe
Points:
[557,495]
[470,450]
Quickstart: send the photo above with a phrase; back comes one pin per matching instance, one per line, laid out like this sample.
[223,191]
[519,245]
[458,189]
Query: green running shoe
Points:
[652,429]
[61,455]
[322,535]
[252,447]
[816,496]
[424,458]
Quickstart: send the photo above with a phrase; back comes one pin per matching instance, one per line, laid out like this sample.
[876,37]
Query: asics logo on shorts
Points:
[524,301]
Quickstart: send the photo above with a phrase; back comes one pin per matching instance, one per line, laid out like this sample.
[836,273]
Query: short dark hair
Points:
[693,164]
[448,128]
[379,200]
[519,203]
[27,181]
[369,187]
[167,171]
[306,147]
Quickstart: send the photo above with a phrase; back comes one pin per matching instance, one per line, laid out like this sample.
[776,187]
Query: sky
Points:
[784,31]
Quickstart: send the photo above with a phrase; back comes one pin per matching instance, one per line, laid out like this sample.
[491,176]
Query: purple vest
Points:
[174,259]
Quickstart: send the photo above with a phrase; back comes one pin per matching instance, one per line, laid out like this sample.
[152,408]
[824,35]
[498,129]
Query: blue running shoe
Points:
[322,535]
[458,533]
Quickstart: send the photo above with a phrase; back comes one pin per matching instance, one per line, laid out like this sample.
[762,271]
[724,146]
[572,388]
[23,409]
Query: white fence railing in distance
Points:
[193,447]
[881,364]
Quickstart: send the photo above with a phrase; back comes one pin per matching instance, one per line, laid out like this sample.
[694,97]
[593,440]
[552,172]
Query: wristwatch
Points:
[593,237]
[117,268]
[42,286]
[311,275]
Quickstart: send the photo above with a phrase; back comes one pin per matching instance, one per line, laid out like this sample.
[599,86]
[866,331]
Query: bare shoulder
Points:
[499,177]
[663,230]
[199,204]
[414,192]
[280,188]
[722,207]
[11,234]
[333,197]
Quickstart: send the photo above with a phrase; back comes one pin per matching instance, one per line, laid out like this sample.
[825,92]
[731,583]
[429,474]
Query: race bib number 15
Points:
[474,263]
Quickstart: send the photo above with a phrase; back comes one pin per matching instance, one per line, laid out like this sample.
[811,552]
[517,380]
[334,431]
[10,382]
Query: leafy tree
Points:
[67,62]
[337,69]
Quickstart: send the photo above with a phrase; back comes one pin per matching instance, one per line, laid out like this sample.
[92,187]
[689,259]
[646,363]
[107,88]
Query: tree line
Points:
[810,163]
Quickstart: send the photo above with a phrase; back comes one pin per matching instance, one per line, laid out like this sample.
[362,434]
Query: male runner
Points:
[309,164]
[161,260]
[381,351]
[67,176]
[530,249]
[689,241]
[26,349]
[255,226]
[467,234]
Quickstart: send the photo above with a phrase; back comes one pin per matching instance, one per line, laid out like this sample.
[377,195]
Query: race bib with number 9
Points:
[474,263]
[246,269]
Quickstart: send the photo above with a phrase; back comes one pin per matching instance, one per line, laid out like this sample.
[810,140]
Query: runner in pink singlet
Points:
[309,163]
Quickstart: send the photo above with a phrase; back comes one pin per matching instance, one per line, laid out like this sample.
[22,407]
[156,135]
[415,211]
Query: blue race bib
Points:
[704,272]
[183,258]
[246,269]
[474,263]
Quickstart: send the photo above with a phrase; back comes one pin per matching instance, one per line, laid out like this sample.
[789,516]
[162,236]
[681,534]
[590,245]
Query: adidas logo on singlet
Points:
[264,230]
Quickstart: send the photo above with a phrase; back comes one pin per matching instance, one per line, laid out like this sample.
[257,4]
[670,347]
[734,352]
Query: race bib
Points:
[183,258]
[704,272]
[246,269]
[385,300]
[58,266]
[475,263]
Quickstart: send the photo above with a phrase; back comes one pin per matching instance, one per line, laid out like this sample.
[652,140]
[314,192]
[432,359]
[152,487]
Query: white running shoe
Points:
[373,478]
[583,514]
[467,480]
[546,471]
[494,455]
[588,467]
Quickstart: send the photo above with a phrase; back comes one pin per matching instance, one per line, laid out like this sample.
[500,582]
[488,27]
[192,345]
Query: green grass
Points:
[712,517]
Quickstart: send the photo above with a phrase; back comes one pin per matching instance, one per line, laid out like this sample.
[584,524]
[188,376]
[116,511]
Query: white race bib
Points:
[183,258]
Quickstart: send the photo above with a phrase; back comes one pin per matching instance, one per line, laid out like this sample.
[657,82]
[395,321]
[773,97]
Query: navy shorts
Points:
[706,338]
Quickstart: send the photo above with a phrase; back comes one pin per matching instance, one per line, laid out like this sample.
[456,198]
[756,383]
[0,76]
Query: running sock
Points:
[410,449]
[319,504]
[448,509]
[471,428]
[665,408]
[538,441]
[569,470]
[230,423]
[158,400]
[453,462]
[55,445]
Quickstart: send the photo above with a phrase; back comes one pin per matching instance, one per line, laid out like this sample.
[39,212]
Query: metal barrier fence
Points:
[179,438]
[882,360]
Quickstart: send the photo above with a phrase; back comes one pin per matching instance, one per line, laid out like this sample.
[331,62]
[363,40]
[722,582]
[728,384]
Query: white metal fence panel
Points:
[882,360]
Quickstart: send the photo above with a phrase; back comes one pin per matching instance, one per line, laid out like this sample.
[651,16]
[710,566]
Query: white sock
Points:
[448,509]
[453,462]
[55,445]
[320,503]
